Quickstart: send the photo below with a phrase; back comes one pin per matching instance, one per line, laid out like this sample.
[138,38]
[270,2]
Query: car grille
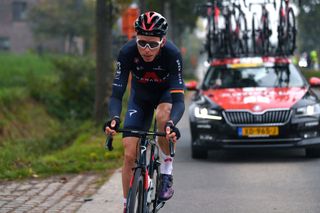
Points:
[245,118]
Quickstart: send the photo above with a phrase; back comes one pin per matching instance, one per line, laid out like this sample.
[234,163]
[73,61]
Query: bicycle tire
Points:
[156,182]
[291,31]
[253,35]
[209,38]
[265,35]
[243,40]
[214,38]
[281,33]
[136,195]
[231,35]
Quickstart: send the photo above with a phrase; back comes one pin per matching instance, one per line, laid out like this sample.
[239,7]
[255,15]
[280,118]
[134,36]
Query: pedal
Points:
[160,205]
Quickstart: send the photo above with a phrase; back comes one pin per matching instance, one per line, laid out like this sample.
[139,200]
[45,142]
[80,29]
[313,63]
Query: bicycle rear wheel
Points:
[136,196]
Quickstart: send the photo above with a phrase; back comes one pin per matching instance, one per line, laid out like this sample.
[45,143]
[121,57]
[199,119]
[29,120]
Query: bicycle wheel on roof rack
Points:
[242,34]
[214,40]
[253,35]
[265,34]
[291,32]
[232,35]
[282,38]
[209,38]
[217,44]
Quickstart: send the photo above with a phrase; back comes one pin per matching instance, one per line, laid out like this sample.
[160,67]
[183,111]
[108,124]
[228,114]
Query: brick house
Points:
[15,32]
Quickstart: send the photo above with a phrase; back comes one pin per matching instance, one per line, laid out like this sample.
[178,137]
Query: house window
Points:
[19,10]
[4,44]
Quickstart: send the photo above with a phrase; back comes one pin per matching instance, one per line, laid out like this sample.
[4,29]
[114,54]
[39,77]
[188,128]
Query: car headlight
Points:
[308,110]
[206,114]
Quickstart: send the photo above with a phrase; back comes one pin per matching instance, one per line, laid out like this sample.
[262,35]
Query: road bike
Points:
[145,183]
[231,36]
[214,35]
[261,36]
[286,28]
[226,28]
[238,39]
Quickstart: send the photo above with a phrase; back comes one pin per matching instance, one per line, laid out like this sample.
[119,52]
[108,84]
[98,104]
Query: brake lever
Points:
[108,144]
[171,148]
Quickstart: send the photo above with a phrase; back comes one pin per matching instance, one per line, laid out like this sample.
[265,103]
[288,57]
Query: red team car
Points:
[257,102]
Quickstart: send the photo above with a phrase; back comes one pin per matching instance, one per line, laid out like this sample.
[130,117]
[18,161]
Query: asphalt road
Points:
[230,181]
[244,181]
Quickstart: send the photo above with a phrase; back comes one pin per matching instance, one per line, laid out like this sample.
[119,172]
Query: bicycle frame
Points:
[144,173]
[142,163]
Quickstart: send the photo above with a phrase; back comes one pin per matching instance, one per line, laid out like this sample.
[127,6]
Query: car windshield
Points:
[279,76]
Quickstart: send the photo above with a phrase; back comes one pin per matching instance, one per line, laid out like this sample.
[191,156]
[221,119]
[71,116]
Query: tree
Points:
[104,21]
[106,13]
[180,14]
[309,16]
[65,19]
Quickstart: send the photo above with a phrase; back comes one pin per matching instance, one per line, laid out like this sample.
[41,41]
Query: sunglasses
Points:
[150,44]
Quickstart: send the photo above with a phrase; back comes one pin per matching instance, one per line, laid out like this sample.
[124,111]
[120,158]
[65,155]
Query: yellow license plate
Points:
[258,131]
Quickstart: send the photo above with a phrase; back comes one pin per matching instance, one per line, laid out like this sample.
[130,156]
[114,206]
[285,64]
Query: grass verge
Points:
[86,153]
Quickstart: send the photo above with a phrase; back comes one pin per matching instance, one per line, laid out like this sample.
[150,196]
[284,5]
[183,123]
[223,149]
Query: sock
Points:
[166,163]
[124,202]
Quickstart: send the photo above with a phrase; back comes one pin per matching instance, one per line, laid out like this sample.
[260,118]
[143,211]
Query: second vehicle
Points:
[258,102]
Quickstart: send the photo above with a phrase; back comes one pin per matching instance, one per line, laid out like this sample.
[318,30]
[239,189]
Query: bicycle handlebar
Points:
[109,140]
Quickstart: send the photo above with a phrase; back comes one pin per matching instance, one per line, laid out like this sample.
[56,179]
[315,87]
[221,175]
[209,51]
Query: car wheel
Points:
[199,153]
[313,152]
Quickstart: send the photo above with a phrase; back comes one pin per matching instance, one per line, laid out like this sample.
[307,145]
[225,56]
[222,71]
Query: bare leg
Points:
[162,116]
[130,153]
[166,167]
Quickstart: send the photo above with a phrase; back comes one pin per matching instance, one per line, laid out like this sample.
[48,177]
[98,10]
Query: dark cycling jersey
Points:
[152,82]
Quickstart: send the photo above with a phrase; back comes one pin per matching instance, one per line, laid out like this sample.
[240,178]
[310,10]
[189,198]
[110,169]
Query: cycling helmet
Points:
[151,24]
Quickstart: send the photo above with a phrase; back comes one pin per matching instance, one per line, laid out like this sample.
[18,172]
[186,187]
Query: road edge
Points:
[108,198]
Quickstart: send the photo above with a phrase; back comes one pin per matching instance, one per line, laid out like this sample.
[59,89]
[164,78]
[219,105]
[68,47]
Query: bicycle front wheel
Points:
[136,196]
[155,190]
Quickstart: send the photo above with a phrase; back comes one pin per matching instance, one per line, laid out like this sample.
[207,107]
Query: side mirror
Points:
[314,82]
[192,85]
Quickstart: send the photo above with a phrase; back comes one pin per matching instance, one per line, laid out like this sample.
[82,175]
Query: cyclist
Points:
[155,65]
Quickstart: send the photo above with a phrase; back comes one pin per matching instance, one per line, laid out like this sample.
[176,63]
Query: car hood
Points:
[255,99]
